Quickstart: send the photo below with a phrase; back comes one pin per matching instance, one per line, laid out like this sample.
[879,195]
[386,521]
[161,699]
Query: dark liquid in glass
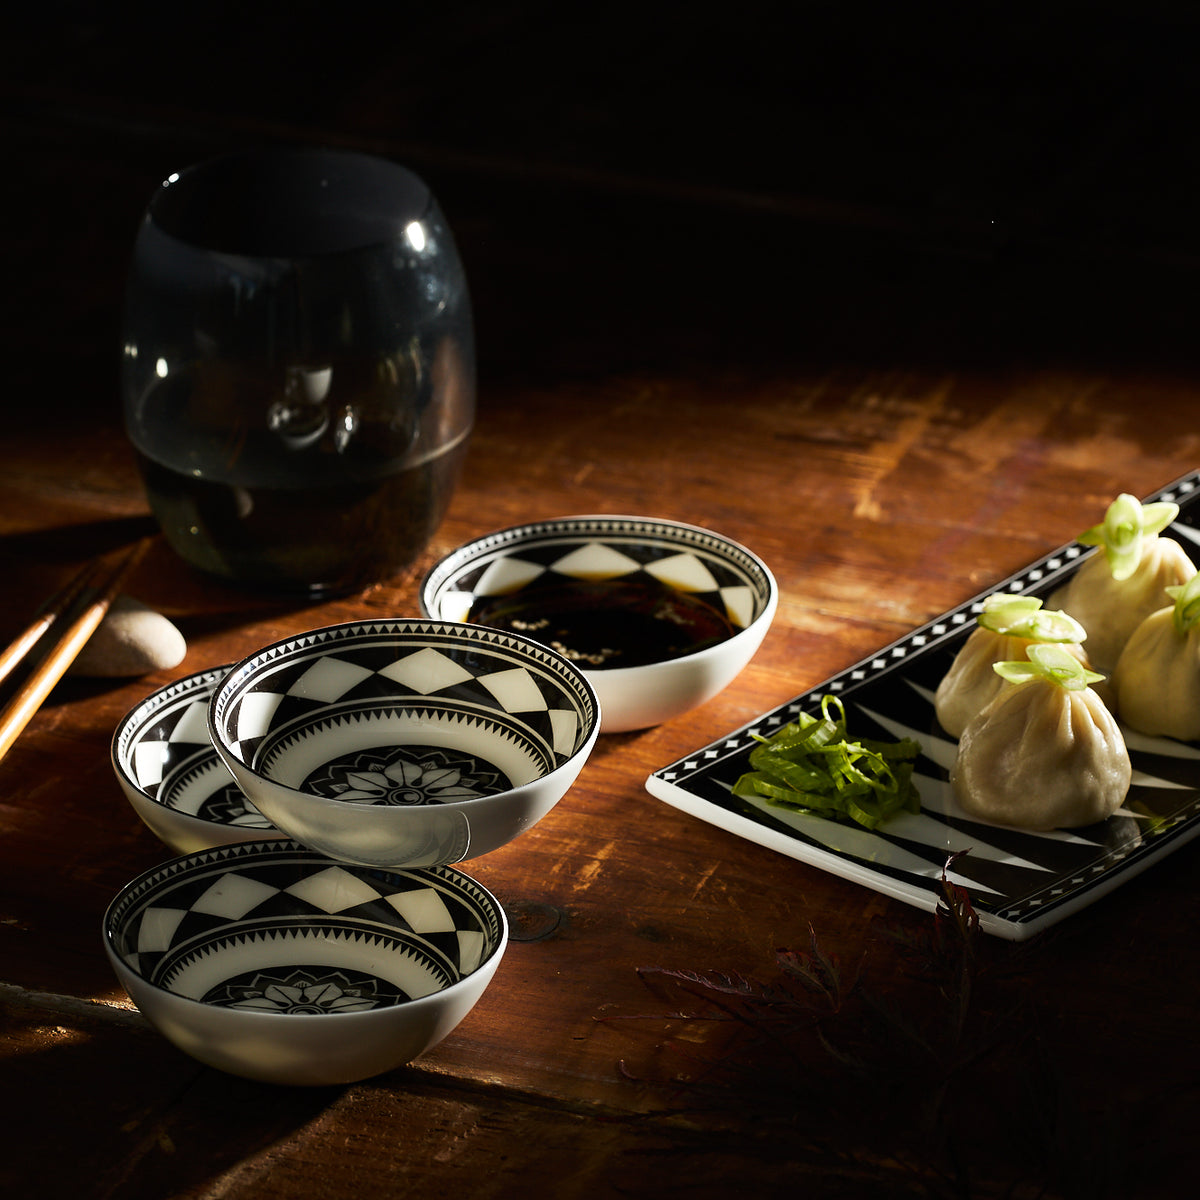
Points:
[290,510]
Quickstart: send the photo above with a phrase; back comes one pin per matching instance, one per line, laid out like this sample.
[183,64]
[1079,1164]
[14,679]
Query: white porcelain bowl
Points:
[404,742]
[616,558]
[274,962]
[165,762]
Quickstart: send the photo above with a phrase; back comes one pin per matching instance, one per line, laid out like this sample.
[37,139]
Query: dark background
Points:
[651,187]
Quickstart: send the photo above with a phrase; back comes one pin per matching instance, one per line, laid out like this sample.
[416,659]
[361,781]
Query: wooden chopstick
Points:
[45,617]
[17,713]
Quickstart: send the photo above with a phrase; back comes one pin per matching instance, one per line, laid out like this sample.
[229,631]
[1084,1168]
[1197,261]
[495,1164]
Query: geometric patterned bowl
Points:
[165,763]
[620,561]
[404,742]
[270,961]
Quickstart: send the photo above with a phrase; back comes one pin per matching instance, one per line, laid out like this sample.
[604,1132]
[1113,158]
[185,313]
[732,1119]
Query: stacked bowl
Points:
[313,928]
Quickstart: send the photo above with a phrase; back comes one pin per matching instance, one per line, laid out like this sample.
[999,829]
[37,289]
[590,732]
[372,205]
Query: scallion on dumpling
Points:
[1045,753]
[1157,680]
[1005,628]
[1114,591]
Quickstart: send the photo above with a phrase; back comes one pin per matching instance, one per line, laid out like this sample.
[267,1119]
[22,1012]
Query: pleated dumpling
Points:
[1115,590]
[1157,680]
[1005,628]
[1046,753]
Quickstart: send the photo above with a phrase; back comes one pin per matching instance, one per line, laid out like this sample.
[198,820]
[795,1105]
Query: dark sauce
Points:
[599,623]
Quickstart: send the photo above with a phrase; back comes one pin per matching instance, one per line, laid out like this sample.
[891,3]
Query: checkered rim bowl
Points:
[714,569]
[404,742]
[274,928]
[328,684]
[164,758]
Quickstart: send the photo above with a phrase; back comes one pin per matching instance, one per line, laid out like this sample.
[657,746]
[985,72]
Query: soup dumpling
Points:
[1157,680]
[1046,753]
[1114,591]
[1005,628]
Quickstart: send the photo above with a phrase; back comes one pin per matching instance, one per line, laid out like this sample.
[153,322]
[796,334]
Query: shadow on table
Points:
[90,1085]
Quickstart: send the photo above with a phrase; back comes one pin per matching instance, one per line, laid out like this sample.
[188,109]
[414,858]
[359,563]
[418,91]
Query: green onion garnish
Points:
[1052,663]
[1024,617]
[1186,598]
[1127,522]
[812,765]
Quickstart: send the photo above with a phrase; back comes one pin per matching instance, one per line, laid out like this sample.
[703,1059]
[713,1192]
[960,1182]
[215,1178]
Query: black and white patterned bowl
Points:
[167,767]
[709,569]
[274,962]
[404,742]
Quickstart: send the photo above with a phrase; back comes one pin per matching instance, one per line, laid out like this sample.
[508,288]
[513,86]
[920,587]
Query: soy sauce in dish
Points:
[599,623]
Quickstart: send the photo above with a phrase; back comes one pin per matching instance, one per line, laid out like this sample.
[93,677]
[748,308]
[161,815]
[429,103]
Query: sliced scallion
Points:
[1052,663]
[813,765]
[1186,598]
[1023,616]
[1126,524]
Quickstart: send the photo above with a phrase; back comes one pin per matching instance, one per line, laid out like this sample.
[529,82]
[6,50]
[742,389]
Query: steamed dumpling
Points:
[1114,591]
[1005,629]
[1045,753]
[1157,680]
[1111,609]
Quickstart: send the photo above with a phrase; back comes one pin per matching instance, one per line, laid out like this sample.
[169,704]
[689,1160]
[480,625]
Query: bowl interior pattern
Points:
[272,927]
[404,713]
[164,748]
[713,570]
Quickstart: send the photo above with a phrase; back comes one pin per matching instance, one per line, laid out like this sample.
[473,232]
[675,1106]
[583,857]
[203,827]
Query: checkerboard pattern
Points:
[167,729]
[164,747]
[261,902]
[483,673]
[690,560]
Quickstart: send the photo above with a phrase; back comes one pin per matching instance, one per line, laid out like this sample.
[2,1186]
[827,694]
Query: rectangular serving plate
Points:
[1019,882]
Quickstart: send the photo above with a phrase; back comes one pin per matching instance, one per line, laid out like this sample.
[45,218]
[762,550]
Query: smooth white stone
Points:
[131,640]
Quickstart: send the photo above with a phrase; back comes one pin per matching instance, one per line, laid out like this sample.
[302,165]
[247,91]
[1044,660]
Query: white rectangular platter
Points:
[1019,882]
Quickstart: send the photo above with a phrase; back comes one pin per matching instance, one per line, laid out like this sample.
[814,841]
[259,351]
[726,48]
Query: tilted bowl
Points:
[164,760]
[276,963]
[404,742]
[621,561]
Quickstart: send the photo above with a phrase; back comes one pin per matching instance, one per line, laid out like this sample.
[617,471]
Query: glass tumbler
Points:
[298,375]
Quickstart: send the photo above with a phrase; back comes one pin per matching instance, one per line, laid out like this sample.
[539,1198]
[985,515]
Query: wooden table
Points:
[894,426]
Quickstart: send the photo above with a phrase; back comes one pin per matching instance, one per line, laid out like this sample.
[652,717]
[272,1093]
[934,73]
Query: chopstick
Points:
[45,617]
[108,579]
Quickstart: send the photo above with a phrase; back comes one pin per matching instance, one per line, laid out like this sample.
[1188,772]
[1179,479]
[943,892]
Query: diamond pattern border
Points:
[363,664]
[166,730]
[720,573]
[174,910]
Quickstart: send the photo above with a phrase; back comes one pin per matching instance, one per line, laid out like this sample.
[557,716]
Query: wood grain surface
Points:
[851,372]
